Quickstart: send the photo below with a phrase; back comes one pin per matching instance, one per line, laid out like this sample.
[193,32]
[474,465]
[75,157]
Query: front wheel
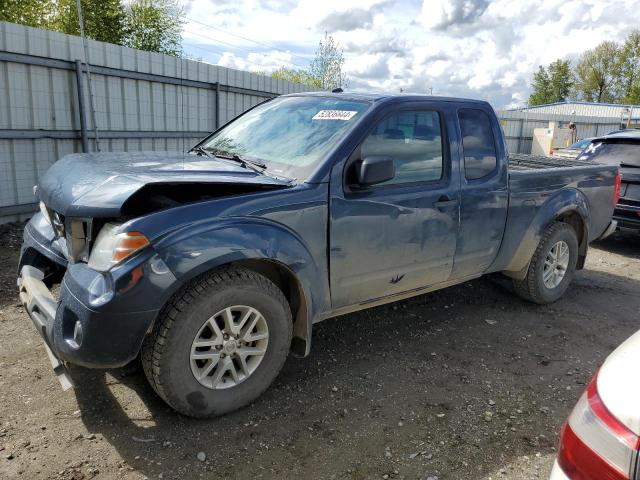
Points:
[219,343]
[552,266]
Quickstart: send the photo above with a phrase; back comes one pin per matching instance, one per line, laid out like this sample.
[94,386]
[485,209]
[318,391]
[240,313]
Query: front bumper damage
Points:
[99,319]
[41,307]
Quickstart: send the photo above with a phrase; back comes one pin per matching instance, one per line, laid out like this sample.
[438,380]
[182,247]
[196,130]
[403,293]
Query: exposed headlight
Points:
[45,212]
[112,247]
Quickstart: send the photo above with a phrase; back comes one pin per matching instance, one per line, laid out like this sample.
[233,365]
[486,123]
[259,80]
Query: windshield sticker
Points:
[334,115]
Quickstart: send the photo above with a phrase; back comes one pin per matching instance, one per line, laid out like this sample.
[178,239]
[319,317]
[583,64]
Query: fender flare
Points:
[568,203]
[198,248]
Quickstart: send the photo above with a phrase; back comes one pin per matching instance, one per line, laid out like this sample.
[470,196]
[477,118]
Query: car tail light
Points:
[616,188]
[594,445]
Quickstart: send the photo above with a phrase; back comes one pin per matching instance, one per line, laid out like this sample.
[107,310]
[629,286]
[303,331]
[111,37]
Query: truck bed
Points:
[520,161]
[540,186]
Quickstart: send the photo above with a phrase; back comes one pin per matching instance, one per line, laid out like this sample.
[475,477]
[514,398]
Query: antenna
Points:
[85,45]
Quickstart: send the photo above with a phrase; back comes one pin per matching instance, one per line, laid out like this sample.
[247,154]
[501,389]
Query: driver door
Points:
[399,235]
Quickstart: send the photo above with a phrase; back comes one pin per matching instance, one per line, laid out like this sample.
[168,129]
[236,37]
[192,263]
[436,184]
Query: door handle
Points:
[444,202]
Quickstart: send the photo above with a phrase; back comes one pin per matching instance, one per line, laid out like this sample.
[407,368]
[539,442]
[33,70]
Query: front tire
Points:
[219,343]
[552,266]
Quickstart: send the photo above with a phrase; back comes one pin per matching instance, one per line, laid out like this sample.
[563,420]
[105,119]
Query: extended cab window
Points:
[479,146]
[414,140]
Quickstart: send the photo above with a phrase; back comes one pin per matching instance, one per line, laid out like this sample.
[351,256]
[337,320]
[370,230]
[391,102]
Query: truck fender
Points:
[253,243]
[569,205]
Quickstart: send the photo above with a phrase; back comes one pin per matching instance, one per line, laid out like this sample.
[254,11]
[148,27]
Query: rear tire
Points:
[548,275]
[200,313]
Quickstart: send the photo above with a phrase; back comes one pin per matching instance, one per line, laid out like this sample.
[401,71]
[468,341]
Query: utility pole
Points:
[86,61]
[430,90]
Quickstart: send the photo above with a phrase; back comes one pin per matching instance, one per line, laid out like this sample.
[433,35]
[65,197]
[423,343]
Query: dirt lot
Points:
[470,382]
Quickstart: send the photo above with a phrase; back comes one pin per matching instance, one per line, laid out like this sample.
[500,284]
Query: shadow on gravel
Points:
[622,243]
[412,378]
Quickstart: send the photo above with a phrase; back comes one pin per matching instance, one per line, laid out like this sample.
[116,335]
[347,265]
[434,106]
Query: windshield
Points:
[581,143]
[290,135]
[624,154]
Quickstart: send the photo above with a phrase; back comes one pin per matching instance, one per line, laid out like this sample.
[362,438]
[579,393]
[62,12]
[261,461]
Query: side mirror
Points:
[375,169]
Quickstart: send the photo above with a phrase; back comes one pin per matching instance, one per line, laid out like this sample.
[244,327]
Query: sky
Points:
[470,48]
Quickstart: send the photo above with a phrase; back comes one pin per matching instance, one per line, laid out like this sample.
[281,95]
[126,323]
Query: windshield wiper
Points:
[254,165]
[201,151]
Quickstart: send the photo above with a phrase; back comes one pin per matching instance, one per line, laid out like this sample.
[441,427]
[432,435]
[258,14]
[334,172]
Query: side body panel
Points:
[393,238]
[288,227]
[483,210]
[538,197]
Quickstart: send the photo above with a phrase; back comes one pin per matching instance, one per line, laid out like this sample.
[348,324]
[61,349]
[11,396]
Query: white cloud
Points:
[443,13]
[476,48]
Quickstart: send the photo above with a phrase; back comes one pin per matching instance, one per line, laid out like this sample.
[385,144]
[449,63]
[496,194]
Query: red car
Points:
[601,438]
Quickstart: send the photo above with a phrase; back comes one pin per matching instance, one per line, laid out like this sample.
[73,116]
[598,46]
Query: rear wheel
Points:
[219,343]
[552,266]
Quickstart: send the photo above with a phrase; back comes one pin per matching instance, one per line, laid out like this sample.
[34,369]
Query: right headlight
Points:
[111,247]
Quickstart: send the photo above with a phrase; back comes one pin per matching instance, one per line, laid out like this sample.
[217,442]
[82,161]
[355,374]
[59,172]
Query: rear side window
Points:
[479,146]
[414,140]
[623,154]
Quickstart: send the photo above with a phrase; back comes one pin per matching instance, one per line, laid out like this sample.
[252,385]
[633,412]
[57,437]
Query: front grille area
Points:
[72,235]
[78,236]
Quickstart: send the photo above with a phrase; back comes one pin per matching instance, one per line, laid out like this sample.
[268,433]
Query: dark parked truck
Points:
[214,265]
[621,149]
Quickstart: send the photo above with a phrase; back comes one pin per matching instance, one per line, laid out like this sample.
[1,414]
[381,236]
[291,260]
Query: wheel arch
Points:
[287,281]
[260,245]
[575,219]
[570,206]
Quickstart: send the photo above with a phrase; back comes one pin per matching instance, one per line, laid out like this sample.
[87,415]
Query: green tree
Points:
[627,71]
[561,80]
[325,70]
[552,84]
[326,67]
[596,73]
[104,20]
[295,75]
[154,25]
[541,87]
[33,13]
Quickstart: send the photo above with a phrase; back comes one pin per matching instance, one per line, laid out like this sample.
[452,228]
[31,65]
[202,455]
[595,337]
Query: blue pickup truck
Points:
[213,265]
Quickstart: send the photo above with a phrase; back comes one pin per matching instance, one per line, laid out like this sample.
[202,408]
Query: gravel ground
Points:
[465,383]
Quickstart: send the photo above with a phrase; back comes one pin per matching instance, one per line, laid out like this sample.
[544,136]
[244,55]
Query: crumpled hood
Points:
[98,184]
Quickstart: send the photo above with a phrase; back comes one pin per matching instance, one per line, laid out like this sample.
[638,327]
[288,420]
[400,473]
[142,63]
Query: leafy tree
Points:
[33,13]
[595,73]
[541,87]
[154,25]
[295,75]
[326,67]
[561,80]
[325,70]
[552,84]
[103,19]
[627,71]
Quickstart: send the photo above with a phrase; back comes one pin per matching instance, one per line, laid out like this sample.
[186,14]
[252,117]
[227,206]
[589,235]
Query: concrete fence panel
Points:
[141,101]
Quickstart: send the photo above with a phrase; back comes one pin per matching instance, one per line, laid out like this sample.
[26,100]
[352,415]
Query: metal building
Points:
[587,109]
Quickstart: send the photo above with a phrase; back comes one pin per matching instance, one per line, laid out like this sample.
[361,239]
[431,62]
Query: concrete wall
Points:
[143,101]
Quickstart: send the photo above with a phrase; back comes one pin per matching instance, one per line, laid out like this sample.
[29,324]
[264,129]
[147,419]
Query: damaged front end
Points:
[112,281]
